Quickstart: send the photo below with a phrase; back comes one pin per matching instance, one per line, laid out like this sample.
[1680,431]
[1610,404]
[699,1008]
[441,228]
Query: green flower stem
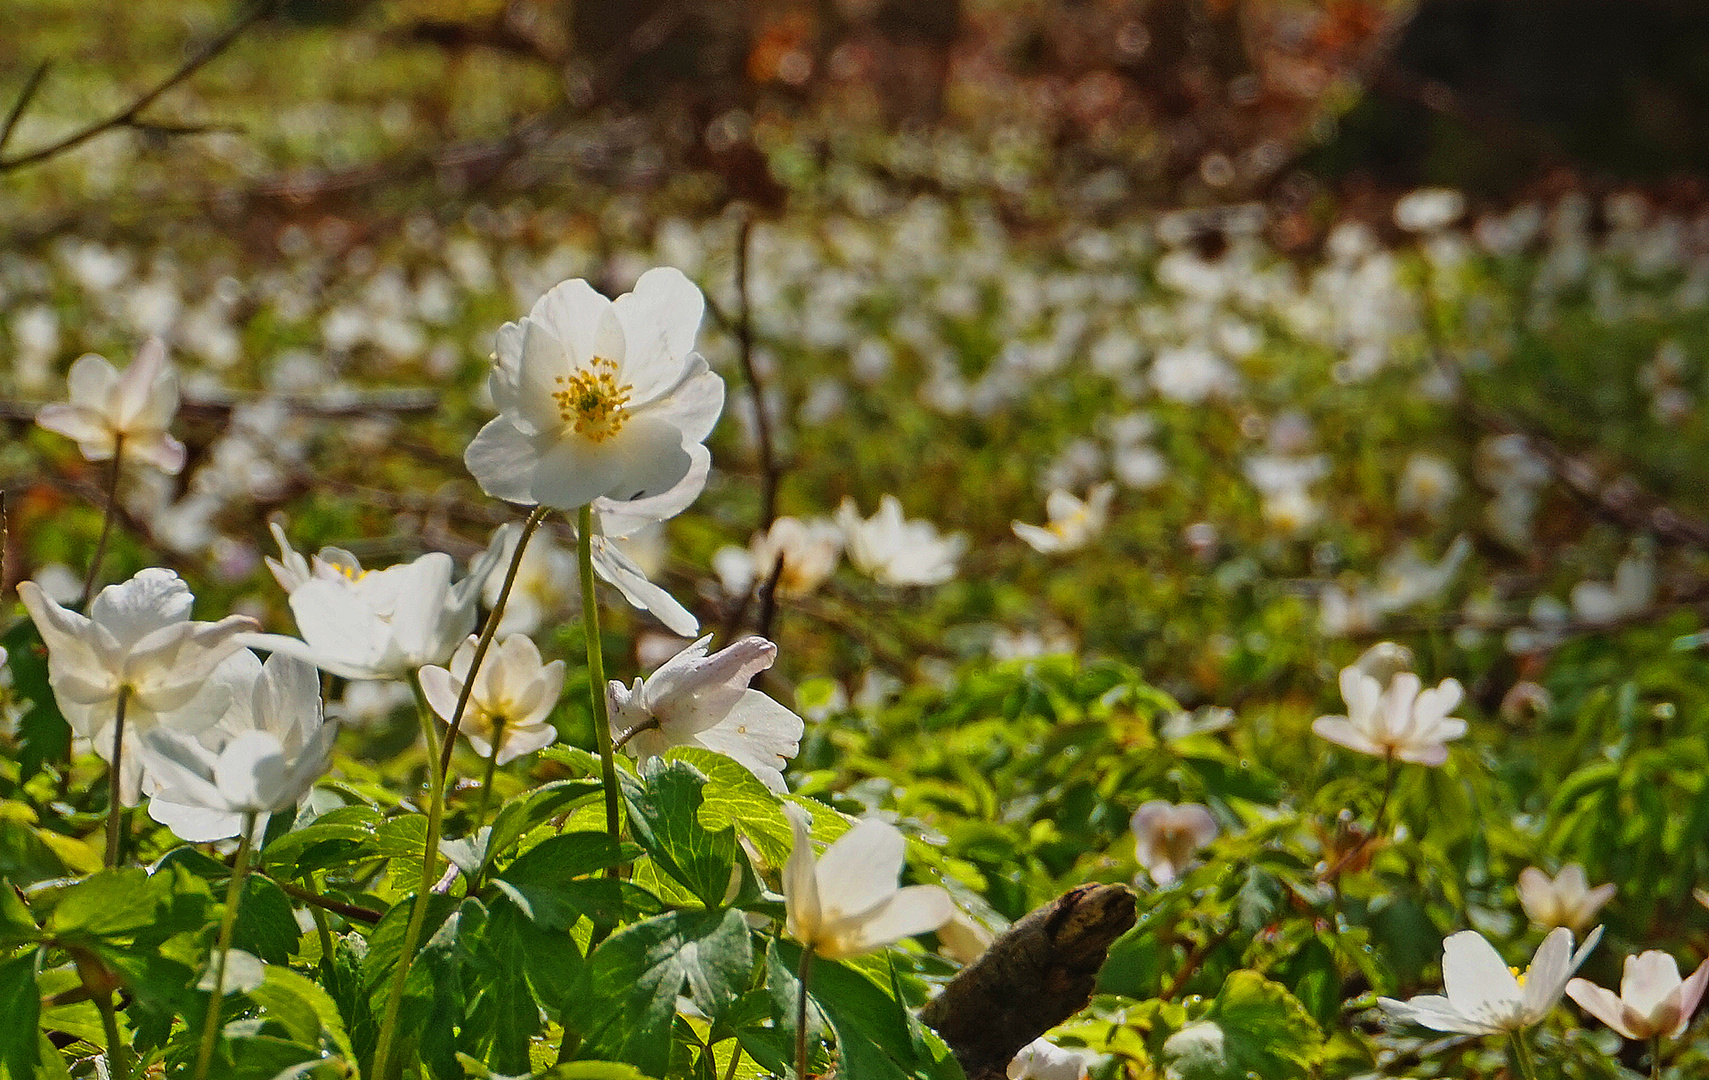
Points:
[117,1067]
[488,632]
[115,810]
[492,767]
[418,914]
[735,1059]
[801,1013]
[327,946]
[233,897]
[1522,1056]
[596,672]
[111,511]
[1656,1057]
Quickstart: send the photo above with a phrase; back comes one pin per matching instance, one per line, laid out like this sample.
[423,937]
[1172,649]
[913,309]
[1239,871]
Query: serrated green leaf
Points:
[1254,1027]
[266,924]
[401,837]
[516,818]
[307,1011]
[625,1002]
[664,816]
[106,904]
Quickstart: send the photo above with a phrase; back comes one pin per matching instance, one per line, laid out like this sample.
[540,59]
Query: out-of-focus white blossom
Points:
[136,405]
[895,551]
[1429,209]
[1042,1059]
[1074,522]
[1166,835]
[809,549]
[1563,900]
[546,582]
[1398,719]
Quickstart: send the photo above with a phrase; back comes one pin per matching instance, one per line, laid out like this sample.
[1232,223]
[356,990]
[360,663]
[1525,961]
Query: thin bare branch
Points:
[128,116]
[25,96]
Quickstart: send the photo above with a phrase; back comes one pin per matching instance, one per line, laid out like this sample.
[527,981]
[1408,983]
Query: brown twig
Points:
[1038,974]
[769,472]
[1194,961]
[31,85]
[128,116]
[352,912]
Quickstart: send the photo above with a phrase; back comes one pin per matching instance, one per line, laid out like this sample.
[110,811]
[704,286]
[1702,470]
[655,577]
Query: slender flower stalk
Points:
[110,511]
[115,792]
[596,671]
[488,632]
[1522,1055]
[801,1013]
[233,897]
[492,767]
[418,914]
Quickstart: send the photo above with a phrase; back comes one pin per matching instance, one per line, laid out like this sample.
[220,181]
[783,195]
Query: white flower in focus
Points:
[1166,835]
[1073,523]
[895,551]
[1042,1059]
[700,700]
[616,568]
[1398,720]
[1484,995]
[1653,1001]
[374,624]
[513,695]
[1563,900]
[846,902]
[809,550]
[263,756]
[599,398]
[137,403]
[545,583]
[137,639]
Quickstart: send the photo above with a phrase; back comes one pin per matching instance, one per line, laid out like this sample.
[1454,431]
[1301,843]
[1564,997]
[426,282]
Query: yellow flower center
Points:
[1519,976]
[591,402]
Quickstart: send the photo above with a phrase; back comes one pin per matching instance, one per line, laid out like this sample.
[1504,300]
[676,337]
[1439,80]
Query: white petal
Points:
[660,318]
[130,610]
[904,913]
[572,310]
[1479,986]
[858,872]
[1603,1004]
[1436,1013]
[803,915]
[503,461]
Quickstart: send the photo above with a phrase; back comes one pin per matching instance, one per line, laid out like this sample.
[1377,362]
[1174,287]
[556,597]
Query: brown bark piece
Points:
[1032,978]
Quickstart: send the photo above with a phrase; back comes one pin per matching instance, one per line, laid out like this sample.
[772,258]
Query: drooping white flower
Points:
[1484,996]
[512,697]
[1165,836]
[809,550]
[846,902]
[263,756]
[1398,720]
[374,624]
[599,399]
[1074,522]
[1563,900]
[138,639]
[1653,999]
[700,700]
[1042,1059]
[895,551]
[137,403]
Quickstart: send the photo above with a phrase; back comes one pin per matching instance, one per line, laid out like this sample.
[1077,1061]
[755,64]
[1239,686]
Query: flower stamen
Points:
[591,402]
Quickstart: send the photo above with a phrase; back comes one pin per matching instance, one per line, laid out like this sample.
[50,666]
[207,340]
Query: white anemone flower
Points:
[1653,1000]
[546,582]
[374,624]
[600,399]
[512,697]
[1484,995]
[138,640]
[1400,720]
[698,700]
[1073,522]
[846,902]
[1563,900]
[1165,836]
[1042,1059]
[895,551]
[137,403]
[262,757]
[809,551]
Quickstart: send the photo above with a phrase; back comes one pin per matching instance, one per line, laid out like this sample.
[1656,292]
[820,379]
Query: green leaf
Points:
[336,838]
[106,904]
[735,797]
[625,1002]
[402,837]
[17,925]
[528,811]
[1253,1028]
[307,1011]
[20,1007]
[266,925]
[664,805]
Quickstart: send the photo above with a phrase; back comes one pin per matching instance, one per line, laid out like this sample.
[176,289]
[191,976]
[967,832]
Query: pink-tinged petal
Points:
[572,310]
[660,318]
[693,691]
[545,367]
[1648,980]
[1343,732]
[1690,996]
[91,381]
[904,913]
[802,912]
[859,870]
[131,610]
[89,428]
[1479,984]
[138,382]
[1603,1004]
[163,452]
